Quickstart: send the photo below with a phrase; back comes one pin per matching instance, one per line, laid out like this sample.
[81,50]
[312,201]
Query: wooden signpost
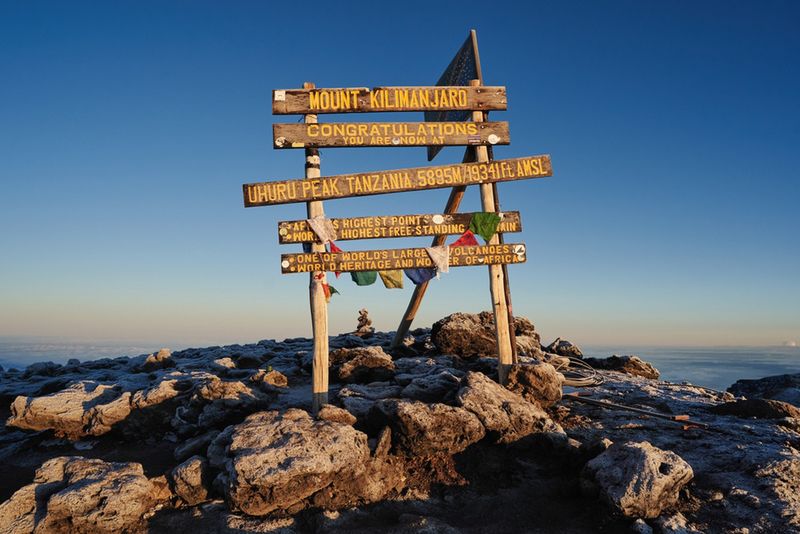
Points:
[478,135]
[404,258]
[380,182]
[389,226]
[361,99]
[349,134]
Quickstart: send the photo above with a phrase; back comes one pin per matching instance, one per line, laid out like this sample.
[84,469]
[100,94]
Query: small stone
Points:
[504,414]
[363,364]
[190,480]
[632,365]
[562,347]
[637,479]
[329,412]
[537,382]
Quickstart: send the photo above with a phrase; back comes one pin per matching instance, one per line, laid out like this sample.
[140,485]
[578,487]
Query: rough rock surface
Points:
[363,364]
[758,408]
[270,378]
[503,413]
[473,336]
[632,365]
[160,360]
[190,480]
[637,479]
[536,382]
[274,461]
[76,495]
[778,387]
[67,412]
[429,429]
[334,414]
[747,473]
[562,347]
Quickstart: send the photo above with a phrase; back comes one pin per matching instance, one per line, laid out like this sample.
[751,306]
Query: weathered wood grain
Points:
[380,99]
[316,287]
[390,226]
[496,274]
[380,182]
[386,134]
[405,258]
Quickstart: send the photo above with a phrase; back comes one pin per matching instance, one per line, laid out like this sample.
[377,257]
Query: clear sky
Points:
[127,129]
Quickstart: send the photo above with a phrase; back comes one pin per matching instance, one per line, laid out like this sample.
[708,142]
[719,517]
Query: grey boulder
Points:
[636,479]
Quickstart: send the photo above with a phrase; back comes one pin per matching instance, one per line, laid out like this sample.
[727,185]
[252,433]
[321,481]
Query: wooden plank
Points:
[381,182]
[502,323]
[390,226]
[317,300]
[404,258]
[362,99]
[373,134]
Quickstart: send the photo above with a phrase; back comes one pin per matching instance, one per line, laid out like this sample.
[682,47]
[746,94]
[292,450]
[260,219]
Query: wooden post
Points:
[496,284]
[506,287]
[319,306]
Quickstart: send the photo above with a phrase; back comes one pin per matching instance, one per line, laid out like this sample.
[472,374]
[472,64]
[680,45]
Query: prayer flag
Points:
[323,227]
[420,276]
[441,257]
[467,239]
[392,279]
[364,278]
[484,224]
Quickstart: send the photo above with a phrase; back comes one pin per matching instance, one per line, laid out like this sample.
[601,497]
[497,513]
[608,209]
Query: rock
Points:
[758,408]
[507,415]
[275,461]
[86,408]
[226,400]
[194,445]
[159,360]
[224,363]
[637,479]
[427,429]
[640,527]
[539,383]
[473,336]
[562,347]
[42,369]
[769,387]
[790,395]
[363,364]
[332,413]
[248,361]
[675,524]
[190,480]
[632,365]
[76,495]
[270,378]
[359,398]
[434,387]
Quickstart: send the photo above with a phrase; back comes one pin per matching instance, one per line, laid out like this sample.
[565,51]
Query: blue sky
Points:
[127,129]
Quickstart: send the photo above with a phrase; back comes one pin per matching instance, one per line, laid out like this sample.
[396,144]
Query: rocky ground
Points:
[419,439]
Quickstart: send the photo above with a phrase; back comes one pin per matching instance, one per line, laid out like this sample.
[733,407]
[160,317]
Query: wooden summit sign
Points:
[380,182]
[479,168]
[337,135]
[390,226]
[405,258]
[361,99]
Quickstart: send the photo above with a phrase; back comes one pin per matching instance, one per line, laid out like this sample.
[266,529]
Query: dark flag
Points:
[465,66]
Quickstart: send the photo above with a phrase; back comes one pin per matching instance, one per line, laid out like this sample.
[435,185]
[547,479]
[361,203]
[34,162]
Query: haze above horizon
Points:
[127,130]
